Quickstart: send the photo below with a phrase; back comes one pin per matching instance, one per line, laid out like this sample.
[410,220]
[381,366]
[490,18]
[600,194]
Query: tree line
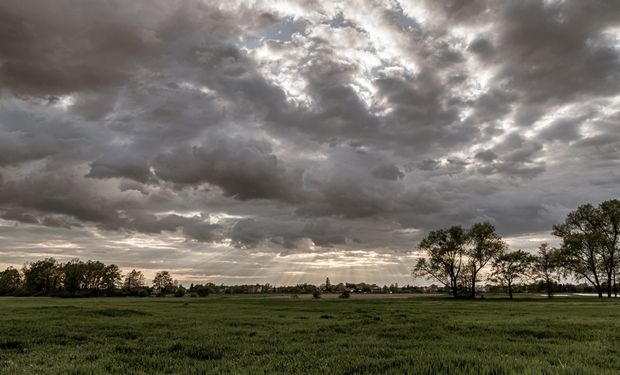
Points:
[589,251]
[75,278]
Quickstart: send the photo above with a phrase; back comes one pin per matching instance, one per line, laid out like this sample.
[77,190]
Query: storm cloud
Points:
[216,138]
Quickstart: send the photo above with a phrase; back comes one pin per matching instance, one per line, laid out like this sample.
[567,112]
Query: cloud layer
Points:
[268,131]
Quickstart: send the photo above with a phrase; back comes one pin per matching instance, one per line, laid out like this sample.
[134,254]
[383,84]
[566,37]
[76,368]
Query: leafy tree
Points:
[455,256]
[202,290]
[162,282]
[582,251]
[10,281]
[511,267]
[42,277]
[134,280]
[180,292]
[111,278]
[93,276]
[73,276]
[609,227]
[545,266]
[484,246]
[445,257]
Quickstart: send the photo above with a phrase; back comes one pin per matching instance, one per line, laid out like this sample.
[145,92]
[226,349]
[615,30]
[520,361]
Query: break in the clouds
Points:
[292,140]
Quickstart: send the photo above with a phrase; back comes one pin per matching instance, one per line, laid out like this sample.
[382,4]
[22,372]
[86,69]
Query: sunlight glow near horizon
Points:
[276,268]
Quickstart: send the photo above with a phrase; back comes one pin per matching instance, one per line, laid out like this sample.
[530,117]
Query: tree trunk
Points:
[615,285]
[510,290]
[612,276]
[473,286]
[548,287]
[597,285]
[455,287]
[609,283]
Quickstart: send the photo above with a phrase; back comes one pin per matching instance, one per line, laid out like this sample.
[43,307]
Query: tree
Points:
[511,267]
[73,276]
[328,285]
[10,281]
[582,253]
[484,245]
[110,279]
[134,280]
[590,244]
[444,261]
[42,277]
[545,266]
[609,227]
[180,292]
[162,282]
[93,276]
[202,290]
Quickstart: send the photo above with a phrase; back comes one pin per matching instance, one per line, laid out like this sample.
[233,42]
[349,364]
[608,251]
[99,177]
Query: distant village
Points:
[326,287]
[365,288]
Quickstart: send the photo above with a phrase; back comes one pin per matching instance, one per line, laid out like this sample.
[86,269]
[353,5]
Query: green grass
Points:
[261,335]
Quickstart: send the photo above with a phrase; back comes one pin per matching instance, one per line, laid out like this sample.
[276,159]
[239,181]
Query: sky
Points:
[289,141]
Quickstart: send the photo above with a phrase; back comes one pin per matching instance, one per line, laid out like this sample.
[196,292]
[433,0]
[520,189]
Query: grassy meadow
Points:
[268,334]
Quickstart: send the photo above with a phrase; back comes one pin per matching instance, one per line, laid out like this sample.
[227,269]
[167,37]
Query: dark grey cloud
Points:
[558,51]
[481,46]
[22,217]
[388,172]
[233,132]
[121,163]
[564,130]
[243,169]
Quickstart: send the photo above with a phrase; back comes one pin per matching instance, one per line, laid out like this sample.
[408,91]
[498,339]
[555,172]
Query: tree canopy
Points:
[511,267]
[589,250]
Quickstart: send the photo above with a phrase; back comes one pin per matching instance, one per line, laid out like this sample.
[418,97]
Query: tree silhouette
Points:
[510,267]
[162,282]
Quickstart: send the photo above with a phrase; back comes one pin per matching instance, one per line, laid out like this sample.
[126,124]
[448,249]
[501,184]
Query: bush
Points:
[316,294]
[202,291]
[180,292]
[142,293]
[345,294]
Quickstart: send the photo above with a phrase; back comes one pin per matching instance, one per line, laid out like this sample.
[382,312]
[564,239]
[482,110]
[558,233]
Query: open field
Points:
[257,335]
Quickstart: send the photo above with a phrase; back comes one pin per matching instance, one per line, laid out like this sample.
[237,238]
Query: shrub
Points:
[316,294]
[180,292]
[345,294]
[202,291]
